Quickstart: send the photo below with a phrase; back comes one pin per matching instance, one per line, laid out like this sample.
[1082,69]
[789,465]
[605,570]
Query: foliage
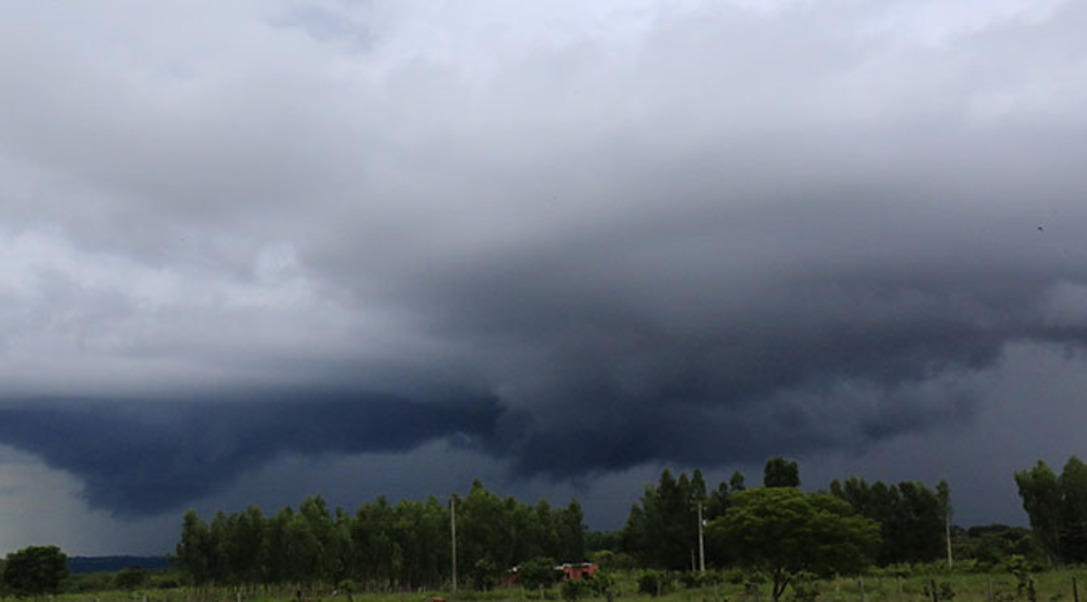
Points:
[609,560]
[780,472]
[911,516]
[1057,508]
[784,531]
[130,578]
[806,587]
[381,547]
[654,582]
[662,529]
[1041,495]
[603,583]
[35,570]
[537,573]
[574,589]
[696,579]
[991,546]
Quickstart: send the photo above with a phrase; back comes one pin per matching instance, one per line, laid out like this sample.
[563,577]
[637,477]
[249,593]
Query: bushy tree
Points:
[35,571]
[537,573]
[783,531]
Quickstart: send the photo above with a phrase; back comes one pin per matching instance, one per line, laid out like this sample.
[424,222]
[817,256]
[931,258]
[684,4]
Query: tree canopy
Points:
[381,546]
[780,472]
[911,516]
[1057,508]
[783,531]
[36,570]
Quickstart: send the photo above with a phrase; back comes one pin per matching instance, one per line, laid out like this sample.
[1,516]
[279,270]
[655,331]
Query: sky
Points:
[256,250]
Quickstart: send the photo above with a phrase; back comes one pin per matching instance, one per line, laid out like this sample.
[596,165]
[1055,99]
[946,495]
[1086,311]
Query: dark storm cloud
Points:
[643,232]
[138,459]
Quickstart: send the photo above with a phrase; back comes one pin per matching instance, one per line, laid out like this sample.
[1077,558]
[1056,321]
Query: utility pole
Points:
[947,538]
[701,543]
[453,530]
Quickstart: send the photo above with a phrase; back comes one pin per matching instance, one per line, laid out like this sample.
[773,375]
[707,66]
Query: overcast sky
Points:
[252,250]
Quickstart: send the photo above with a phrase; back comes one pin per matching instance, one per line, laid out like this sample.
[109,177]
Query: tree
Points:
[1073,513]
[36,570]
[194,551]
[537,573]
[736,481]
[911,517]
[1041,494]
[783,531]
[780,472]
[662,532]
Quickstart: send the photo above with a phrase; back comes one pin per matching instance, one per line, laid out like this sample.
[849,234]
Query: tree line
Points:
[662,529]
[678,523]
[381,546]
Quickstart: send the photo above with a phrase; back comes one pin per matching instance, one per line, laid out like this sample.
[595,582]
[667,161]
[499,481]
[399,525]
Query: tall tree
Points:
[1041,494]
[1073,529]
[195,550]
[780,472]
[910,515]
[736,481]
[662,529]
[572,538]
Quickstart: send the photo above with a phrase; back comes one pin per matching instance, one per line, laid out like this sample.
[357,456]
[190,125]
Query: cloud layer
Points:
[576,238]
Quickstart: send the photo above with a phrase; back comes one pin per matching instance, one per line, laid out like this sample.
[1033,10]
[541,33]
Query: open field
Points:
[1050,586]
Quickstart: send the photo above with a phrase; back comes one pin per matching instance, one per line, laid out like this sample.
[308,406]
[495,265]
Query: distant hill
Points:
[104,564]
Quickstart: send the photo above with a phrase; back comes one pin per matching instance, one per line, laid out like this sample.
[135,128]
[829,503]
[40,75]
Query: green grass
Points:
[878,586]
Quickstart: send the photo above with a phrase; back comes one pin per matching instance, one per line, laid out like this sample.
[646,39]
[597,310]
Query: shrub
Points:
[572,589]
[654,582]
[695,579]
[805,588]
[537,573]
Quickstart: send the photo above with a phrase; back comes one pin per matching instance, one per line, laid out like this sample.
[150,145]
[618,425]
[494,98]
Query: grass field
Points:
[1049,586]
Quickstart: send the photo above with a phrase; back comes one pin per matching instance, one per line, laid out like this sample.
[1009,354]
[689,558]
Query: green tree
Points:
[194,551]
[302,551]
[783,531]
[1041,494]
[736,481]
[911,517]
[572,533]
[662,530]
[537,573]
[1073,513]
[35,571]
[780,472]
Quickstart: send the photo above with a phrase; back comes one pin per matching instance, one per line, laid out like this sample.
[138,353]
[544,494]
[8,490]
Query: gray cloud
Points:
[643,233]
[137,459]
